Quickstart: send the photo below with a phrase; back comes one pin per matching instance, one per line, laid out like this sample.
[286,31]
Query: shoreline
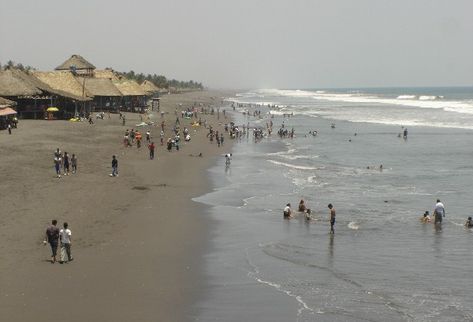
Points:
[139,243]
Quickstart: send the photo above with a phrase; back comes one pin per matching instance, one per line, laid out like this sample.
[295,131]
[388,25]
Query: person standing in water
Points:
[439,212]
[469,223]
[287,212]
[332,218]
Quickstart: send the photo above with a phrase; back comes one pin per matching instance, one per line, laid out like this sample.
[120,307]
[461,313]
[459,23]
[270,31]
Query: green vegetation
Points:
[162,82]
[20,66]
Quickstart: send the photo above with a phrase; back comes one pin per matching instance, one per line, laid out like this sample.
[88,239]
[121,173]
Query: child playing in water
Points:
[425,218]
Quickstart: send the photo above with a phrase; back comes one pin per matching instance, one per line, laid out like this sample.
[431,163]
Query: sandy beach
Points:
[136,238]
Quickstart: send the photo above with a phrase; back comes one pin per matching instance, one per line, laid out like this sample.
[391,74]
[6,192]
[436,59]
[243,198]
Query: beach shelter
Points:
[149,88]
[78,65]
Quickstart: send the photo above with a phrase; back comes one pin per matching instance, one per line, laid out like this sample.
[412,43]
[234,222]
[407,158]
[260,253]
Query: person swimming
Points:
[469,223]
[425,218]
[302,205]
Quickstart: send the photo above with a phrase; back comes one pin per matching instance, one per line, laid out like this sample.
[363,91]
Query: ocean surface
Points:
[381,264]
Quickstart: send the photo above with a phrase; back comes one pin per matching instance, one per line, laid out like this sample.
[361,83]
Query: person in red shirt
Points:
[151,147]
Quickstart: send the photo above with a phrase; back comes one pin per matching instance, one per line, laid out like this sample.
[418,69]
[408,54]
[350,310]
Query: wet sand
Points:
[137,238]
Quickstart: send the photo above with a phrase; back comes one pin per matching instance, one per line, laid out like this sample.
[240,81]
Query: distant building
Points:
[77,65]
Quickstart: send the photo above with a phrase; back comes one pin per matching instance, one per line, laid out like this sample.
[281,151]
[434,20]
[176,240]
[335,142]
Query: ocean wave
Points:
[353,225]
[422,101]
[406,97]
[292,166]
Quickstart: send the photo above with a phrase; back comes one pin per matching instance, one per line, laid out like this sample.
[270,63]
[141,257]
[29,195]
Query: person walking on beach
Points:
[65,238]
[332,218]
[9,128]
[74,163]
[66,164]
[439,212]
[114,167]
[151,148]
[52,237]
[57,166]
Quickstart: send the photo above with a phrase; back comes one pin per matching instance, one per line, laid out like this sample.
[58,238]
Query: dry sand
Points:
[137,238]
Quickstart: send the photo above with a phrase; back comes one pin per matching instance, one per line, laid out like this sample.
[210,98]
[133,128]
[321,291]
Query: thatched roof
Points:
[6,103]
[129,87]
[14,82]
[149,87]
[106,73]
[76,61]
[99,86]
[65,82]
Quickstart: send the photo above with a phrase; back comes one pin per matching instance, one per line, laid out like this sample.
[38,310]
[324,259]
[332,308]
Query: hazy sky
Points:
[251,44]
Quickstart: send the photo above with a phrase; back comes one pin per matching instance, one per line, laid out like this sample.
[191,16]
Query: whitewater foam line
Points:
[302,305]
[422,101]
[298,167]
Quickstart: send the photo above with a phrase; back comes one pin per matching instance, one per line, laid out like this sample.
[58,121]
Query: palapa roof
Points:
[99,86]
[14,82]
[65,82]
[106,73]
[78,62]
[149,87]
[6,103]
[129,87]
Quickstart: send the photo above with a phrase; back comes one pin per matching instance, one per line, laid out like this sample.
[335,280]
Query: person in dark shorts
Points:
[52,237]
[287,213]
[66,164]
[332,218]
[439,212]
[114,167]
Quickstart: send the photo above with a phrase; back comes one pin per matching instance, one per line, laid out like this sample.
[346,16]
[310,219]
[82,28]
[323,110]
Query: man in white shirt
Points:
[439,212]
[65,238]
[287,211]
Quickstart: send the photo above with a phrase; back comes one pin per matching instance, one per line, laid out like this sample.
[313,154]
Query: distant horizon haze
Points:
[252,44]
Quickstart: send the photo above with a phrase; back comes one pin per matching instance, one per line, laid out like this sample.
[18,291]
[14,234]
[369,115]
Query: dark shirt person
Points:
[52,237]
[332,218]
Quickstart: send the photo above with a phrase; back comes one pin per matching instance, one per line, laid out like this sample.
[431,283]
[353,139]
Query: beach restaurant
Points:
[74,88]
[32,96]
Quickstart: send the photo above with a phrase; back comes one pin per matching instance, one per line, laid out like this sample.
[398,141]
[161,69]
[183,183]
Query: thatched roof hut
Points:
[106,73]
[65,82]
[149,87]
[6,103]
[14,82]
[77,63]
[99,86]
[129,87]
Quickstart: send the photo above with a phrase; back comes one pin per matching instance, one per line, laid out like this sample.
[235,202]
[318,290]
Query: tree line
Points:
[20,66]
[161,81]
[158,80]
